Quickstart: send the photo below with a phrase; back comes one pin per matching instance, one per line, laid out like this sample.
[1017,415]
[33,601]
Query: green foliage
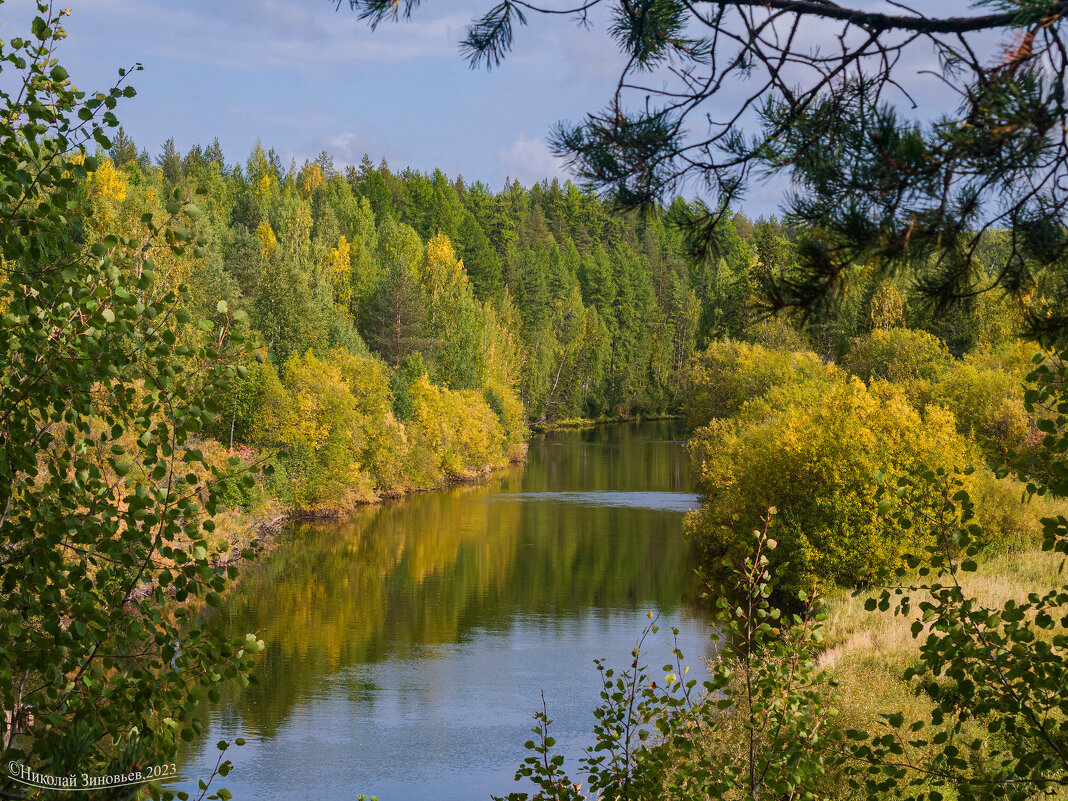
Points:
[400,383]
[1003,667]
[879,188]
[1047,397]
[396,324]
[238,398]
[897,354]
[106,503]
[762,727]
[834,435]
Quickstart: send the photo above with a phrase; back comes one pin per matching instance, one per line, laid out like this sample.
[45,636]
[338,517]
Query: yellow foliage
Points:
[504,401]
[502,351]
[261,174]
[815,451]
[444,273]
[897,354]
[340,263]
[268,242]
[886,307]
[986,398]
[315,417]
[457,427]
[108,182]
[311,177]
[728,374]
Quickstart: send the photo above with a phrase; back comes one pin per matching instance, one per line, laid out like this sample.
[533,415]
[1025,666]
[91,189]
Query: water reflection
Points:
[407,647]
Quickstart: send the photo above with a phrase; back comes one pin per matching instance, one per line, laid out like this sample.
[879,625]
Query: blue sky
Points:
[303,77]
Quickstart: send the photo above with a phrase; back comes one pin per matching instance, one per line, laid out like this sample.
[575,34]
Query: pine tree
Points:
[123,150]
[396,324]
[170,161]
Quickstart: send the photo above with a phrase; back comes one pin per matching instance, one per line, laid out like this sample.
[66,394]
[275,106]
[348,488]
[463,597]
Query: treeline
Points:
[409,326]
[585,311]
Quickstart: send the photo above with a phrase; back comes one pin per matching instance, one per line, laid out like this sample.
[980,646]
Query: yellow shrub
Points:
[897,354]
[815,452]
[315,418]
[512,416]
[728,374]
[458,428]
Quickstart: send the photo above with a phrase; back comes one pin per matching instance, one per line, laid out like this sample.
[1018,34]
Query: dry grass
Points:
[850,631]
[867,652]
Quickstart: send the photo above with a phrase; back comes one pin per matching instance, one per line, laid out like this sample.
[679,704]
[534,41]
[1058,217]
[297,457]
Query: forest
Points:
[456,316]
[192,345]
[443,307]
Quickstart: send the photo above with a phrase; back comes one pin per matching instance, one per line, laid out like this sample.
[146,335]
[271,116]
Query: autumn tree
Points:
[106,504]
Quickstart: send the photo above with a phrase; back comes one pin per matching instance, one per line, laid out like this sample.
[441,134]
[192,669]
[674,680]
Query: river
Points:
[408,647]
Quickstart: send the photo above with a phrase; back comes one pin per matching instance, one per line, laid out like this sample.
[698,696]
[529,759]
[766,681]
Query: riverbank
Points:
[256,526]
[587,422]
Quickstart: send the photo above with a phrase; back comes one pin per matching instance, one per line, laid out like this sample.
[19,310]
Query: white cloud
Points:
[530,160]
[251,35]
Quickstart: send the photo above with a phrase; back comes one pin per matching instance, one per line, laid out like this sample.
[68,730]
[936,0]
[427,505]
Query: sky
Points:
[303,76]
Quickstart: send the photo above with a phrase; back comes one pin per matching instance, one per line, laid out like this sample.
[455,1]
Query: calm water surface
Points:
[408,648]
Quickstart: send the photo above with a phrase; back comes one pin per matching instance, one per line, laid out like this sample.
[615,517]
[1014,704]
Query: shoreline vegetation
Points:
[195,348]
[588,422]
[267,523]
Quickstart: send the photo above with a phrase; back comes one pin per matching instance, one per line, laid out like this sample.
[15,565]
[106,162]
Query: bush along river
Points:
[408,647]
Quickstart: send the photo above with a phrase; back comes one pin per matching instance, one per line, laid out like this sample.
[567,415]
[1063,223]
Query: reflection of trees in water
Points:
[627,457]
[435,567]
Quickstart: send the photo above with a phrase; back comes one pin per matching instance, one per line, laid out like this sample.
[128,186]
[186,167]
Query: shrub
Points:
[458,428]
[504,402]
[817,452]
[315,418]
[897,354]
[728,374]
[988,406]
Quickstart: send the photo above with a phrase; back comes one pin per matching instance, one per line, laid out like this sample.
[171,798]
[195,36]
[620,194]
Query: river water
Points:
[408,648]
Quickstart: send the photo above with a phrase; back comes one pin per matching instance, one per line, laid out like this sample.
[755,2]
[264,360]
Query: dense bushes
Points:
[897,354]
[816,451]
[342,444]
[728,374]
[784,429]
